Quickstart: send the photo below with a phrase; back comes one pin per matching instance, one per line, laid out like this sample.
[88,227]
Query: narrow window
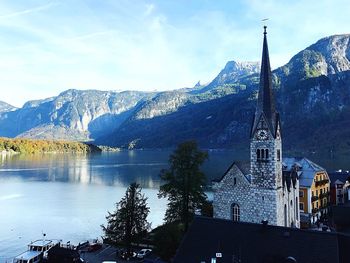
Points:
[234,181]
[235,213]
[296,208]
[262,154]
[285,215]
[258,154]
[266,153]
[278,155]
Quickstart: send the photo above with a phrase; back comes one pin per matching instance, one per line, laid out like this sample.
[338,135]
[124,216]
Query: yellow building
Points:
[314,188]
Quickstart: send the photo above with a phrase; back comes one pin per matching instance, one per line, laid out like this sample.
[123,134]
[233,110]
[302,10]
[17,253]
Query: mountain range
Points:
[312,92]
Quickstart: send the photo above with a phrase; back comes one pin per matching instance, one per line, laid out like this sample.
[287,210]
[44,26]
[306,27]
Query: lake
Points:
[66,196]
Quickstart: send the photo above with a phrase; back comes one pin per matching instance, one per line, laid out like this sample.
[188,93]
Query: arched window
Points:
[258,154]
[262,154]
[235,212]
[267,153]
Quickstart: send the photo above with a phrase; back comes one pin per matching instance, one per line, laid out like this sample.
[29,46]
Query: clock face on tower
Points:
[262,134]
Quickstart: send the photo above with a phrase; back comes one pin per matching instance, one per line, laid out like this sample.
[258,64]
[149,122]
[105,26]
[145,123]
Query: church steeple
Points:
[265,137]
[266,103]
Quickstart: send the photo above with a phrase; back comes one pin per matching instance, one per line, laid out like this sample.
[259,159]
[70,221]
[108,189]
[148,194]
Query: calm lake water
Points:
[67,196]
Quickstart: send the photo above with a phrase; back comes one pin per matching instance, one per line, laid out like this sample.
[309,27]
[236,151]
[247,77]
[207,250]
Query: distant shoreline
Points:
[32,146]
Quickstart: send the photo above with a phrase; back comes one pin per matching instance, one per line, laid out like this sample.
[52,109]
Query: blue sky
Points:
[49,46]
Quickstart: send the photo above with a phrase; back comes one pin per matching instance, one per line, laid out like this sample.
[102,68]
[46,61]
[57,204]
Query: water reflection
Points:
[68,195]
[122,168]
[112,169]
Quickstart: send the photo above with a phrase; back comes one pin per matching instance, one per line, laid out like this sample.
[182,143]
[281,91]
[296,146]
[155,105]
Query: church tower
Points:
[265,137]
[264,192]
[266,150]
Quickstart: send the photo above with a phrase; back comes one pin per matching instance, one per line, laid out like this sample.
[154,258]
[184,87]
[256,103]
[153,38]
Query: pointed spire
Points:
[266,103]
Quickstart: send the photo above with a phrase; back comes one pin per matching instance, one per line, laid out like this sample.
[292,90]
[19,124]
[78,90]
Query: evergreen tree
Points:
[128,223]
[184,183]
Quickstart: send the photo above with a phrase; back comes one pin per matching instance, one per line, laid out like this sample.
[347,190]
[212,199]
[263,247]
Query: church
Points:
[260,190]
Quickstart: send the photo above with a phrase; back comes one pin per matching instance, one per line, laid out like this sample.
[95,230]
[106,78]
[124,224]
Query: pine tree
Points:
[128,223]
[184,183]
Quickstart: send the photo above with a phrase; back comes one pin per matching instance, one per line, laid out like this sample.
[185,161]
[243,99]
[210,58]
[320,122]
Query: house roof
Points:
[341,176]
[307,169]
[255,243]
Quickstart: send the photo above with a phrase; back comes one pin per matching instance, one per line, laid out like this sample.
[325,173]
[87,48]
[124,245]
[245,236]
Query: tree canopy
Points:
[22,145]
[183,183]
[128,223]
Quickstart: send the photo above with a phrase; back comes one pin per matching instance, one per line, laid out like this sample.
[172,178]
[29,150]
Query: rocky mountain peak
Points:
[329,55]
[336,50]
[245,67]
[311,89]
[198,84]
[6,107]
[232,72]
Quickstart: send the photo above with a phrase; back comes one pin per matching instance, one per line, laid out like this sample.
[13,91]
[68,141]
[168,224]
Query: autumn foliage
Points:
[22,145]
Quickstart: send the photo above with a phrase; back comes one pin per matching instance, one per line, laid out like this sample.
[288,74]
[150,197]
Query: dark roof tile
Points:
[255,243]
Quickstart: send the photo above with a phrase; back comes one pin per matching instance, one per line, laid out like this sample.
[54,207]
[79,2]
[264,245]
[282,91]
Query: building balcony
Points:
[314,198]
[321,182]
[324,195]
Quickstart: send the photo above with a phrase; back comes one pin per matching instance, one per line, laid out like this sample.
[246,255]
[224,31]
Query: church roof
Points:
[248,242]
[266,102]
[243,166]
[307,169]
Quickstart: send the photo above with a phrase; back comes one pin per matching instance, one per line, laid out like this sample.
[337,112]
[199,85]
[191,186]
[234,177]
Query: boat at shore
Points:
[37,251]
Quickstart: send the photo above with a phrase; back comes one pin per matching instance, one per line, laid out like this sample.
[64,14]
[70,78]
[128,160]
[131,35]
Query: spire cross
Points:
[264,21]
